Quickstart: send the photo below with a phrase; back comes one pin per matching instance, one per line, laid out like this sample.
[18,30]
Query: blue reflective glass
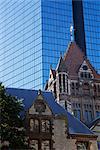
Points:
[20,43]
[91,12]
[32,34]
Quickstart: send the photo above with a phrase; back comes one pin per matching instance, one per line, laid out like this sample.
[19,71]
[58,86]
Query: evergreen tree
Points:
[12,126]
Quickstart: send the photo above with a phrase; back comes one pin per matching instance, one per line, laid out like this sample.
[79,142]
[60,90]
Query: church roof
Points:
[29,96]
[61,67]
[74,58]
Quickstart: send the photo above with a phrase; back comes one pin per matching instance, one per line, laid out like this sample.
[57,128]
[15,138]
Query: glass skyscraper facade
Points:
[56,21]
[34,33]
[91,13]
[20,43]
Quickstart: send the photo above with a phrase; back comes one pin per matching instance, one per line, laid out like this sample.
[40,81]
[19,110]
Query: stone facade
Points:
[76,85]
[48,131]
[95,127]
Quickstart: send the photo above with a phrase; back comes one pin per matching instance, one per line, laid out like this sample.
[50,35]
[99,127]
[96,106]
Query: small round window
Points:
[85,67]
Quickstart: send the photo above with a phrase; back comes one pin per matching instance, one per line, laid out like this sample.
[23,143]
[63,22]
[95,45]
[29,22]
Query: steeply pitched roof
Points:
[53,73]
[29,96]
[96,75]
[73,59]
[61,67]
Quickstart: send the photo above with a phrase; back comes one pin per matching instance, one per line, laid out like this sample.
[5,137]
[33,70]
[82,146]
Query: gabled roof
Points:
[96,75]
[61,67]
[53,73]
[74,58]
[29,96]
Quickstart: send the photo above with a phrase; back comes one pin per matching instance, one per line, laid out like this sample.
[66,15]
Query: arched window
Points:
[34,125]
[67,83]
[64,83]
[95,90]
[45,126]
[85,67]
[60,85]
[41,139]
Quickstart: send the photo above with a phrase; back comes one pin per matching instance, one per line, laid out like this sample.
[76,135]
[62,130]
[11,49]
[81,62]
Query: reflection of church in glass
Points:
[76,85]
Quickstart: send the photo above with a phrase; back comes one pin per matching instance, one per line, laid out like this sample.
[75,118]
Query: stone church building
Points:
[49,126]
[76,84]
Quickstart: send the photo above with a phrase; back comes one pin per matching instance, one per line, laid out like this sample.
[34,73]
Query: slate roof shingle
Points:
[94,122]
[29,96]
[73,59]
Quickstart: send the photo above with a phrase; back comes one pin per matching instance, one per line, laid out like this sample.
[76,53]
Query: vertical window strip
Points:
[60,85]
[64,83]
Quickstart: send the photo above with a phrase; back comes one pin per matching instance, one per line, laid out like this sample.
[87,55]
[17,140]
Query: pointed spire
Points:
[39,92]
[60,54]
[59,63]
[50,66]
[61,67]
[72,33]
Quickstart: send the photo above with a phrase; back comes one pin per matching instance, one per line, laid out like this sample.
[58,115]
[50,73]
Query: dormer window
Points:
[85,75]
[85,71]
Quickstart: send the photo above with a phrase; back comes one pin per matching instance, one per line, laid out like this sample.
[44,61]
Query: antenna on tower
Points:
[72,33]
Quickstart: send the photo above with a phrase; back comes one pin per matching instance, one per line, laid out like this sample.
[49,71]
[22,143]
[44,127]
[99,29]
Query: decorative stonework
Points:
[48,131]
[82,85]
[39,106]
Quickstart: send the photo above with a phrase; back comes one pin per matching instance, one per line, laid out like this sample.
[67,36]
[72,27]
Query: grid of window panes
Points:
[91,10]
[20,43]
[56,21]
[22,33]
